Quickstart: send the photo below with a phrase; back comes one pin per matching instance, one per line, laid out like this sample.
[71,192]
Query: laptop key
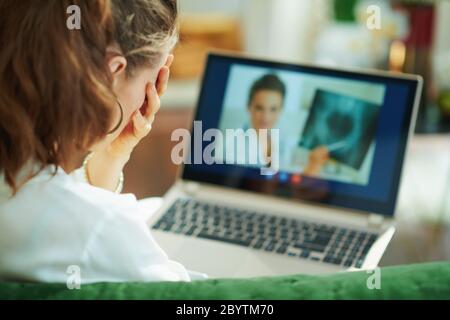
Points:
[366,249]
[359,263]
[372,239]
[259,244]
[348,262]
[157,225]
[310,246]
[270,246]
[305,254]
[320,240]
[282,249]
[191,231]
[238,241]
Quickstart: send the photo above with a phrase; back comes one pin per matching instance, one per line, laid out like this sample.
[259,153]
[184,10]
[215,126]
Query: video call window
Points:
[327,126]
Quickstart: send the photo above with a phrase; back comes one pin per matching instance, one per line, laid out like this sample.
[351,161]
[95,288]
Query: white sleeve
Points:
[122,248]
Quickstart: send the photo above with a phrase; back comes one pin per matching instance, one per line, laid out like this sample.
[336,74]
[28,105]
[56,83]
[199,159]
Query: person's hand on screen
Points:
[317,159]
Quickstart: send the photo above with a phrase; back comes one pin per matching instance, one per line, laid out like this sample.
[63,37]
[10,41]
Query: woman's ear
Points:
[117,64]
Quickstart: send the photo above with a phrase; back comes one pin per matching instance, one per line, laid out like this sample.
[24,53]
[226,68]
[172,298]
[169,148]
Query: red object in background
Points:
[296,179]
[421,24]
[419,43]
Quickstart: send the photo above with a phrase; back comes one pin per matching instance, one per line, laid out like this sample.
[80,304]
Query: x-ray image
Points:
[343,124]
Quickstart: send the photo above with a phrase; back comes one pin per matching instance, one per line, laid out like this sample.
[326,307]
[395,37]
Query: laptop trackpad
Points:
[211,257]
[218,259]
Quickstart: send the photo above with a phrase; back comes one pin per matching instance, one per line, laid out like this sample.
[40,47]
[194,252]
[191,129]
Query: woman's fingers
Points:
[163,79]
[163,76]
[143,123]
[169,60]
[153,102]
[141,126]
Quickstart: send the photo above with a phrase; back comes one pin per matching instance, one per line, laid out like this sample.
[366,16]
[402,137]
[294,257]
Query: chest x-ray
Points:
[345,125]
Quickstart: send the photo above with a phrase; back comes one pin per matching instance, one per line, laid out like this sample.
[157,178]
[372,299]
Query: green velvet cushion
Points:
[420,281]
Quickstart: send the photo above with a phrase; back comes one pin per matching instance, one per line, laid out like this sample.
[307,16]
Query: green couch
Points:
[420,281]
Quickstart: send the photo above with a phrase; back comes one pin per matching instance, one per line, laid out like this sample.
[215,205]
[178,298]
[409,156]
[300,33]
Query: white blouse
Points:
[57,225]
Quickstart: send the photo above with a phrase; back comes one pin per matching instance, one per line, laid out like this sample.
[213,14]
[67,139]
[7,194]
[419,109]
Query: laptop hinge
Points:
[375,221]
[191,188]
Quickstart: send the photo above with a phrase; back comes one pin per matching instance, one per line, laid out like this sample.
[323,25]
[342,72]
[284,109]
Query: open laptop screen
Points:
[322,135]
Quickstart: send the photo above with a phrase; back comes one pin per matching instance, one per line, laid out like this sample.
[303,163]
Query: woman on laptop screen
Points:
[266,98]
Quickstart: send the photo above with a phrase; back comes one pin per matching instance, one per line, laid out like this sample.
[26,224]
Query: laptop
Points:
[322,196]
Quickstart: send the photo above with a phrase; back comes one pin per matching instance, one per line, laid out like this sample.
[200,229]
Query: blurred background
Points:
[413,37]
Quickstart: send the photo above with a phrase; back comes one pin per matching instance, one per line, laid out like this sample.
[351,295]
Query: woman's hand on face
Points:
[105,166]
[142,119]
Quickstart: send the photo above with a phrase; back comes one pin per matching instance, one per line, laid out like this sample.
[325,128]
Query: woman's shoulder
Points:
[102,232]
[56,204]
[58,191]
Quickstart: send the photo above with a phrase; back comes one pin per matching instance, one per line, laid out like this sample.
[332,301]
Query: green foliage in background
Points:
[344,10]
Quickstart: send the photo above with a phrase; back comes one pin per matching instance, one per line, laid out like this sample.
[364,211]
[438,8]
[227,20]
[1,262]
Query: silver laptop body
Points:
[283,215]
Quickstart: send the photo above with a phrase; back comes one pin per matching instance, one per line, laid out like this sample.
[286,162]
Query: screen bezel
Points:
[353,203]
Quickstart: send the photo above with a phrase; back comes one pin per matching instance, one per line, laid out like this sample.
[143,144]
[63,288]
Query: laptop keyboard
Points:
[260,231]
